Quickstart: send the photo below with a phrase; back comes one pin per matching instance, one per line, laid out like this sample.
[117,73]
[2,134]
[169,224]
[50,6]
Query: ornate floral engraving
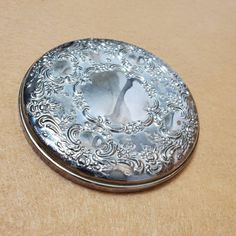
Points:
[111,109]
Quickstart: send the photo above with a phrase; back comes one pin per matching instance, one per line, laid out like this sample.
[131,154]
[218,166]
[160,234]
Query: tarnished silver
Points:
[108,114]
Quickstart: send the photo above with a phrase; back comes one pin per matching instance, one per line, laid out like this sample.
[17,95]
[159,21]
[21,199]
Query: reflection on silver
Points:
[108,114]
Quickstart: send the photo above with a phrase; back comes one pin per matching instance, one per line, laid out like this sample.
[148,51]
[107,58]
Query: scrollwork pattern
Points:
[57,106]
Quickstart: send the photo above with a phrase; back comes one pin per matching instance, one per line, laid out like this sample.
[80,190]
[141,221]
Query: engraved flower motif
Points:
[43,106]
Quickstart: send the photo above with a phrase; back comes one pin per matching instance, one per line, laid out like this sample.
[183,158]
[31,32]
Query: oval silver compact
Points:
[108,114]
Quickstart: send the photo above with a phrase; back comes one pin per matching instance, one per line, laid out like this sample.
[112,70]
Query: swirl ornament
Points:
[74,133]
[108,114]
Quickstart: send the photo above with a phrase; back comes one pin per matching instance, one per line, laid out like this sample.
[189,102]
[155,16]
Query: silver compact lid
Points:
[108,114]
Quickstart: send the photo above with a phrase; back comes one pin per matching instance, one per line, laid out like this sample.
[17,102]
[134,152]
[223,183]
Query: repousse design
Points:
[111,109]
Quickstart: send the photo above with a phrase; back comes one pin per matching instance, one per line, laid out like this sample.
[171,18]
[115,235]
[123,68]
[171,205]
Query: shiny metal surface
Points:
[108,114]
